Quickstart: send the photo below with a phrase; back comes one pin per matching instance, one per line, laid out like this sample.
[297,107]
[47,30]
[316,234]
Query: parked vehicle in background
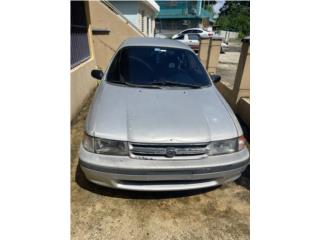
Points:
[202,33]
[158,123]
[190,39]
[224,47]
[193,41]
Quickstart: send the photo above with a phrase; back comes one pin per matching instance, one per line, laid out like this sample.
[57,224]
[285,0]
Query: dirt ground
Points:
[102,213]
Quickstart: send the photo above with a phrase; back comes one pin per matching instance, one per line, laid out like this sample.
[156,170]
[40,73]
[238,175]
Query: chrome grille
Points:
[184,151]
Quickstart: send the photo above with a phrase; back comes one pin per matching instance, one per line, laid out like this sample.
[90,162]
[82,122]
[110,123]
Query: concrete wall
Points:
[132,11]
[102,47]
[243,110]
[226,92]
[105,45]
[81,85]
[239,97]
[241,85]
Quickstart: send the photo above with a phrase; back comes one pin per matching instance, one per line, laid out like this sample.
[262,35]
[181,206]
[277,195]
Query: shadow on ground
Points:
[244,180]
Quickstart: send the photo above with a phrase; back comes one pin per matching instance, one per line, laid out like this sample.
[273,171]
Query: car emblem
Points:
[170,152]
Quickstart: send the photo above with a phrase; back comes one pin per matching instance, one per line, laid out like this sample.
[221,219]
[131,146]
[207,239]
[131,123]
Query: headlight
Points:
[104,146]
[226,146]
[110,147]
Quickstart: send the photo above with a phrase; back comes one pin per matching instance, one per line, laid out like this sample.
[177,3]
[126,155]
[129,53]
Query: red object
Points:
[242,142]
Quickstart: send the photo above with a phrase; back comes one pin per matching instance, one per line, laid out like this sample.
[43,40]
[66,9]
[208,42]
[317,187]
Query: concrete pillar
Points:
[209,53]
[213,55]
[203,51]
[241,86]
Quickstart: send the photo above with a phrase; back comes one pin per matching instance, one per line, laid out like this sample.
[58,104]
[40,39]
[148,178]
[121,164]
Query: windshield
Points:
[155,66]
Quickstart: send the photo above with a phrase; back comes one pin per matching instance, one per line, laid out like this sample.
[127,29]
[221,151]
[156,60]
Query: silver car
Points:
[190,39]
[202,33]
[158,123]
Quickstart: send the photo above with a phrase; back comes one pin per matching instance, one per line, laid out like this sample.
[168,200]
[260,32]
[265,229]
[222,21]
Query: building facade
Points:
[140,13]
[175,16]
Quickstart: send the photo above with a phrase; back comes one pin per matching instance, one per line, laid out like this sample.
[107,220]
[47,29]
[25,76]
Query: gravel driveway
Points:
[102,213]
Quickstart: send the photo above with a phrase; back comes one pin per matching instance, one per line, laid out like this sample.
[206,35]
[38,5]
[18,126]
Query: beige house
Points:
[97,30]
[142,14]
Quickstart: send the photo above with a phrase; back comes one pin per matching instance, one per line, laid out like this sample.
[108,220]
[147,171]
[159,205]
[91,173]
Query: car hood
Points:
[159,115]
[175,36]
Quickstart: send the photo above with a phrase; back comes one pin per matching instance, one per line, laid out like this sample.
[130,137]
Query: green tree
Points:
[208,5]
[235,16]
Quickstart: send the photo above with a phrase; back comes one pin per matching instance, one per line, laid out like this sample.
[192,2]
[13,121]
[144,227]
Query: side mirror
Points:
[98,74]
[215,78]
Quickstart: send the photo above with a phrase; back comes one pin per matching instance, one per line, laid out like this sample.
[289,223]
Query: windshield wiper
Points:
[169,83]
[158,84]
[136,85]
[141,85]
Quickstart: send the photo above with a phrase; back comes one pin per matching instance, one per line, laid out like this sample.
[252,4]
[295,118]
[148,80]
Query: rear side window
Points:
[187,31]
[197,31]
[150,65]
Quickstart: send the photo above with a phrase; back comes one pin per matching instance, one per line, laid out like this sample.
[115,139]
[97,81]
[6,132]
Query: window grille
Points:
[79,34]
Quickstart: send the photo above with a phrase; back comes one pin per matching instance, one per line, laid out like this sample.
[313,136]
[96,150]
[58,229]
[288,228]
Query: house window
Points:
[142,21]
[79,34]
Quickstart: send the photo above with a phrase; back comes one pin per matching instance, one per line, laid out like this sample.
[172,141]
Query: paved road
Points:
[102,213]
[228,63]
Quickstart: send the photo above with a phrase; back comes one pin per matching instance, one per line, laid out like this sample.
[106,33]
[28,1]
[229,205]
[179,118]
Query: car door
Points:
[193,40]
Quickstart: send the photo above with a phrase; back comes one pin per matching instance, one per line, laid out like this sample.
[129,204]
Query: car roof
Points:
[194,29]
[153,42]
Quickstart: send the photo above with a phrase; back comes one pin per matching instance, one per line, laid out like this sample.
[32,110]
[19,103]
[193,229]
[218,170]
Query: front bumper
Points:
[123,172]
